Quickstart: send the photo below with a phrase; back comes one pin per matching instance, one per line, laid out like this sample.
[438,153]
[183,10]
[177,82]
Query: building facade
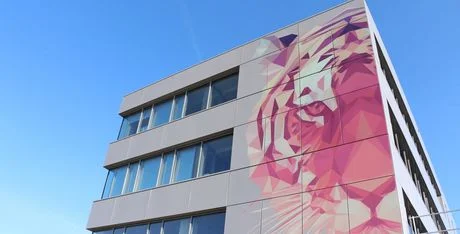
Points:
[305,130]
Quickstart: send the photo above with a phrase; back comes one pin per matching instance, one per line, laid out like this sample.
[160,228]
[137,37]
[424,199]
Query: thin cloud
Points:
[186,18]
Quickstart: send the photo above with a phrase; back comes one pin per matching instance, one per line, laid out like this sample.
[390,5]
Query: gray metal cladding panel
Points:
[252,77]
[117,151]
[130,208]
[131,100]
[190,196]
[182,79]
[209,192]
[169,200]
[101,214]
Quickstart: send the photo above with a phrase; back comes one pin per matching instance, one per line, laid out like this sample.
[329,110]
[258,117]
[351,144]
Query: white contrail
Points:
[186,17]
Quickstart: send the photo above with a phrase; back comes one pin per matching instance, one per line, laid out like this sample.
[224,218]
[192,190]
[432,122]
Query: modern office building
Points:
[304,130]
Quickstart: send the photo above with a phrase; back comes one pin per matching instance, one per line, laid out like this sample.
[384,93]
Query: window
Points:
[210,94]
[149,173]
[203,224]
[179,226]
[155,228]
[224,90]
[197,100]
[141,229]
[167,168]
[104,232]
[162,111]
[216,155]
[145,119]
[131,180]
[178,107]
[200,159]
[186,163]
[118,181]
[209,224]
[129,125]
[119,231]
[108,184]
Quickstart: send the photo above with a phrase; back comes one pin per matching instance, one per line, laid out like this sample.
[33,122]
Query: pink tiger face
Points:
[331,116]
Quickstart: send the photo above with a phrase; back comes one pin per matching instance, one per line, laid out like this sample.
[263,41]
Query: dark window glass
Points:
[132,172]
[129,125]
[119,181]
[155,228]
[145,119]
[104,232]
[119,231]
[178,106]
[186,162]
[216,155]
[179,226]
[197,100]
[224,90]
[162,111]
[209,224]
[108,184]
[167,168]
[142,229]
[149,173]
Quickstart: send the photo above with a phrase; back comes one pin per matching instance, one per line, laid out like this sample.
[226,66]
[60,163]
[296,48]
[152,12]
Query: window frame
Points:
[171,100]
[127,179]
[205,85]
[184,114]
[223,78]
[174,153]
[162,222]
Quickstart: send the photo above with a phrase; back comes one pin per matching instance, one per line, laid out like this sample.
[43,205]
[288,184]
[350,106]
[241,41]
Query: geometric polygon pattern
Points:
[321,130]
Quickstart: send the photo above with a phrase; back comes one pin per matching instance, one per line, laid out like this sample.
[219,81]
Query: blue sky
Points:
[65,65]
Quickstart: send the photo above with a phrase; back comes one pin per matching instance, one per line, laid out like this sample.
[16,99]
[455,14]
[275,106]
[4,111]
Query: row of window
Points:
[181,164]
[204,224]
[211,94]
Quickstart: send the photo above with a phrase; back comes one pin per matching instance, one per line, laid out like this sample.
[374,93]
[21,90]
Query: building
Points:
[305,130]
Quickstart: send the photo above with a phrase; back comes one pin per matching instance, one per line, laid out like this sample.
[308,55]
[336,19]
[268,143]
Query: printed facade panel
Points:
[320,125]
[282,136]
[335,17]
[246,146]
[354,75]
[320,96]
[361,160]
[283,65]
[270,43]
[244,218]
[325,211]
[351,38]
[265,180]
[252,77]
[335,102]
[289,208]
[316,52]
[374,206]
[247,108]
[362,114]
